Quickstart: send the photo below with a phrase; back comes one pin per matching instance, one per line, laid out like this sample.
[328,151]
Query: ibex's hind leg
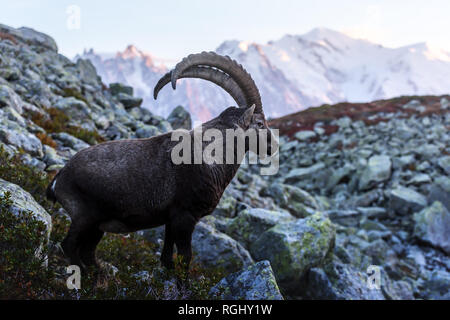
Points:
[167,252]
[89,242]
[71,243]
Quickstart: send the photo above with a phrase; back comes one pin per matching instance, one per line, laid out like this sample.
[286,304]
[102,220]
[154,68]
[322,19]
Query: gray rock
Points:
[116,88]
[378,169]
[302,173]
[70,141]
[257,282]
[432,225]
[338,281]
[147,131]
[440,191]
[8,97]
[297,201]
[17,136]
[294,247]
[305,135]
[444,163]
[51,157]
[436,286]
[129,101]
[87,71]
[215,249]
[179,118]
[405,200]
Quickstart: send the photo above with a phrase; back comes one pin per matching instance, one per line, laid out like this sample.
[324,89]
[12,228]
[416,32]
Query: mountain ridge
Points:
[293,73]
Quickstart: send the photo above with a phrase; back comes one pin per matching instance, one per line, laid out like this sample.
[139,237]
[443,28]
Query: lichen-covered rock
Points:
[226,207]
[432,225]
[213,248]
[406,200]
[294,247]
[22,201]
[251,223]
[378,169]
[257,282]
[179,118]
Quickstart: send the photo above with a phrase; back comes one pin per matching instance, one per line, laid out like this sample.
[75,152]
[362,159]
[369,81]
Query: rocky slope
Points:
[356,190]
[293,73]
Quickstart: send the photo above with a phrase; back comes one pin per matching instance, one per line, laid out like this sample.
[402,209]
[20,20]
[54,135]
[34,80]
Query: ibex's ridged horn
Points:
[223,64]
[203,72]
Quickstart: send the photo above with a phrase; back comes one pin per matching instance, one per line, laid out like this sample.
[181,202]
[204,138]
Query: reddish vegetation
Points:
[305,120]
[7,36]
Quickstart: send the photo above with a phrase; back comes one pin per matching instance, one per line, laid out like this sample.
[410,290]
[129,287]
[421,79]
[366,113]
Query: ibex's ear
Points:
[246,118]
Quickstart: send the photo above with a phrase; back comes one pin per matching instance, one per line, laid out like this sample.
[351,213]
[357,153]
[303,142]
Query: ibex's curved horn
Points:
[203,72]
[225,65]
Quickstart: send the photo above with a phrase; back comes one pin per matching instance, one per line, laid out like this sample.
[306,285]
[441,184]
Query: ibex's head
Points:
[233,78]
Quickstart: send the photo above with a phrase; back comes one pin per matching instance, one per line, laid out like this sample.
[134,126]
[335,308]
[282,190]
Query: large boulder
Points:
[338,281]
[179,118]
[256,282]
[213,248]
[22,201]
[405,200]
[30,37]
[432,225]
[251,223]
[295,247]
[378,169]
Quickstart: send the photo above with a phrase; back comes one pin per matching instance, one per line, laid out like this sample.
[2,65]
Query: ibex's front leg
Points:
[182,228]
[167,252]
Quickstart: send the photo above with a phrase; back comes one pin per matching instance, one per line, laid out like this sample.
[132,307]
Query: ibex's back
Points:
[128,185]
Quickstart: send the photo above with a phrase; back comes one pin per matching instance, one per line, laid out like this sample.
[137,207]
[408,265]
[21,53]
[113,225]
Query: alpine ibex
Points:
[129,185]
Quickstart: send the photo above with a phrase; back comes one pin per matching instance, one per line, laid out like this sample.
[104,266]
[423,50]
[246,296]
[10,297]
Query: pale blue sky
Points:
[172,29]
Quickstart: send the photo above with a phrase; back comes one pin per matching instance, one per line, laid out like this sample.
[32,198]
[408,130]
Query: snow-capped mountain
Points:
[292,73]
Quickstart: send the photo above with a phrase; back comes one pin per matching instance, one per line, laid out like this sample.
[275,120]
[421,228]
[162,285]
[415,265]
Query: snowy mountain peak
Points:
[293,73]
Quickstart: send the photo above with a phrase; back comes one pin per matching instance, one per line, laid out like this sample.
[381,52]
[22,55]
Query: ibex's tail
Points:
[50,192]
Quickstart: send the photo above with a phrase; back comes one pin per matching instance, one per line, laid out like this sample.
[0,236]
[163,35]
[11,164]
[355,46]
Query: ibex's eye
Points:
[260,124]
